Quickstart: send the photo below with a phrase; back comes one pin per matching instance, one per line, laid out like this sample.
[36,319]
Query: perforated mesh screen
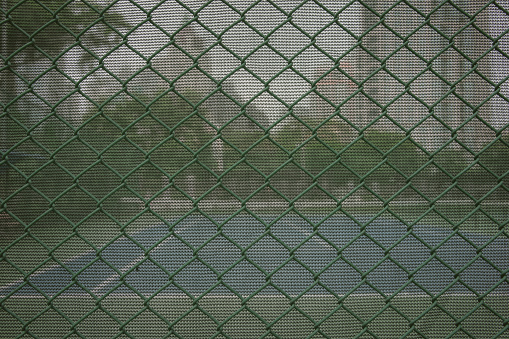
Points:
[254,169]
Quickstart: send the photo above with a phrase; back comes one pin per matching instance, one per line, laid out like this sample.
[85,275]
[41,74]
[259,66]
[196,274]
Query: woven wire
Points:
[262,169]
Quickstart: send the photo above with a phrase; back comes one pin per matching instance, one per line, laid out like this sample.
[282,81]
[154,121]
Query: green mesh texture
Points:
[254,169]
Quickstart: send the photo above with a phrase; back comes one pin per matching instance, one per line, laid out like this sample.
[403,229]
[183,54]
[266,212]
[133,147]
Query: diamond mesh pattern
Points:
[261,169]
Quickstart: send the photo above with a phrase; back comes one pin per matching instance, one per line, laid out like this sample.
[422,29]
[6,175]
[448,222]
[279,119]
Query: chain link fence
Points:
[254,169]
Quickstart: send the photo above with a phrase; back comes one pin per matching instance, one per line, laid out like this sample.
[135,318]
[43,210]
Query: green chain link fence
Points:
[263,169]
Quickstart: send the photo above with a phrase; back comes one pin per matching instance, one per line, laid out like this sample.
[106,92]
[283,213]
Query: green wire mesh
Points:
[254,169]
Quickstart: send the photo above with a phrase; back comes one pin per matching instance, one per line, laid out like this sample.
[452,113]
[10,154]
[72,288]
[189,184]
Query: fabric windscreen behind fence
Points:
[254,169]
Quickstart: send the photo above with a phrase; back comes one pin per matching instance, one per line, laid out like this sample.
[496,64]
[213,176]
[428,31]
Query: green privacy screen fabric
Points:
[254,169]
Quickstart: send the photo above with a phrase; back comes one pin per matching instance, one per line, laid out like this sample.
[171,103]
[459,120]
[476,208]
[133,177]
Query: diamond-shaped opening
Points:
[494,158]
[494,111]
[27,157]
[195,180]
[243,180]
[349,277]
[385,181]
[453,158]
[470,36]
[172,253]
[53,86]
[147,85]
[243,229]
[147,180]
[432,228]
[51,229]
[385,93]
[266,109]
[27,205]
[291,181]
[117,60]
[363,253]
[100,30]
[220,253]
[123,205]
[242,133]
[220,109]
[339,229]
[398,328]
[361,157]
[209,16]
[456,252]
[308,15]
[399,109]
[17,254]
[315,201]
[245,278]
[99,230]
[171,62]
[267,204]
[434,316]
[76,205]
[409,205]
[405,65]
[455,205]
[100,86]
[361,202]
[410,253]
[360,110]
[293,278]
[494,301]
[265,63]
[265,17]
[336,133]
[170,157]
[244,325]
[99,181]
[359,57]
[431,141]
[494,251]
[314,156]
[386,230]
[452,111]
[194,133]
[148,228]
[72,109]
[483,315]
[194,39]
[147,324]
[288,40]
[316,253]
[477,227]
[268,253]
[195,229]
[196,278]
[123,157]
[451,65]
[427,42]
[148,39]
[334,86]
[301,62]
[258,157]
[252,86]
[429,88]
[137,278]
[340,323]
[51,181]
[403,19]
[60,325]
[434,276]
[52,133]
[187,326]
[334,40]
[493,11]
[356,10]
[293,324]
[290,133]
[67,157]
[480,276]
[250,40]
[448,19]
[19,111]
[371,41]
[98,322]
[482,89]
